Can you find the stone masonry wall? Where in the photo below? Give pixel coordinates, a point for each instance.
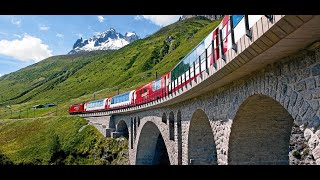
(293, 82)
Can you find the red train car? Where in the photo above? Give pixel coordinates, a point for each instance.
(76, 109)
(153, 90)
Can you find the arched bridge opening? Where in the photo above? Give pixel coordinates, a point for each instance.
(151, 147)
(260, 133)
(122, 129)
(201, 145)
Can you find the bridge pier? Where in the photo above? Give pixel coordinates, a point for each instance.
(104, 124)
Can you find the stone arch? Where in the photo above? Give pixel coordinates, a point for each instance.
(122, 128)
(201, 144)
(164, 118)
(151, 148)
(260, 133)
(171, 126)
(179, 132)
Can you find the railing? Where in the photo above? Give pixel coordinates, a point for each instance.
(233, 35)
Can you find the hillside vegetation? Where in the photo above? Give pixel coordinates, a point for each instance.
(73, 79)
(48, 135)
(58, 140)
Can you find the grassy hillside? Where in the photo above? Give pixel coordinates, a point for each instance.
(74, 79)
(57, 140)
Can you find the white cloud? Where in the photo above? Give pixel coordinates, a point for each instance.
(17, 35)
(59, 35)
(138, 17)
(161, 20)
(16, 22)
(101, 19)
(44, 28)
(3, 33)
(26, 49)
(0, 75)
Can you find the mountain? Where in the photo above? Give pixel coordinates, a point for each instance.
(107, 40)
(74, 78)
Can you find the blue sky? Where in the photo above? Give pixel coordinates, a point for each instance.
(28, 39)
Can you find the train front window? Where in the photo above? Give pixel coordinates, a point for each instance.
(156, 85)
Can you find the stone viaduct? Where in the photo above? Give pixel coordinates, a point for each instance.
(259, 106)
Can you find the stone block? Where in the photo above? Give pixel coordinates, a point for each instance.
(315, 70)
(316, 153)
(317, 81)
(109, 131)
(314, 104)
(313, 142)
(307, 134)
(293, 98)
(304, 108)
(116, 134)
(309, 114)
(299, 101)
(307, 95)
(314, 122)
(300, 86)
(305, 73)
(316, 93)
(311, 83)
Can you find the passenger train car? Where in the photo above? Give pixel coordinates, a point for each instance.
(153, 90)
(97, 105)
(213, 47)
(123, 100)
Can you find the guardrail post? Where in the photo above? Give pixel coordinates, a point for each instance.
(189, 74)
(270, 17)
(207, 67)
(234, 45)
(185, 78)
(248, 30)
(223, 56)
(194, 71)
(213, 55)
(200, 67)
(181, 80)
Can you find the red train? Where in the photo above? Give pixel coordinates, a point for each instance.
(204, 55)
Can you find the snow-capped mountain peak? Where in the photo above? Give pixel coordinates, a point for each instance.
(106, 40)
(130, 34)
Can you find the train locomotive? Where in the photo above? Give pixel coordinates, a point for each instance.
(204, 55)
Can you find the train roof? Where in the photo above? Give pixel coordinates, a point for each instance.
(98, 100)
(122, 93)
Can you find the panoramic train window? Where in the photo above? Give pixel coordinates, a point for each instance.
(236, 19)
(188, 60)
(120, 98)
